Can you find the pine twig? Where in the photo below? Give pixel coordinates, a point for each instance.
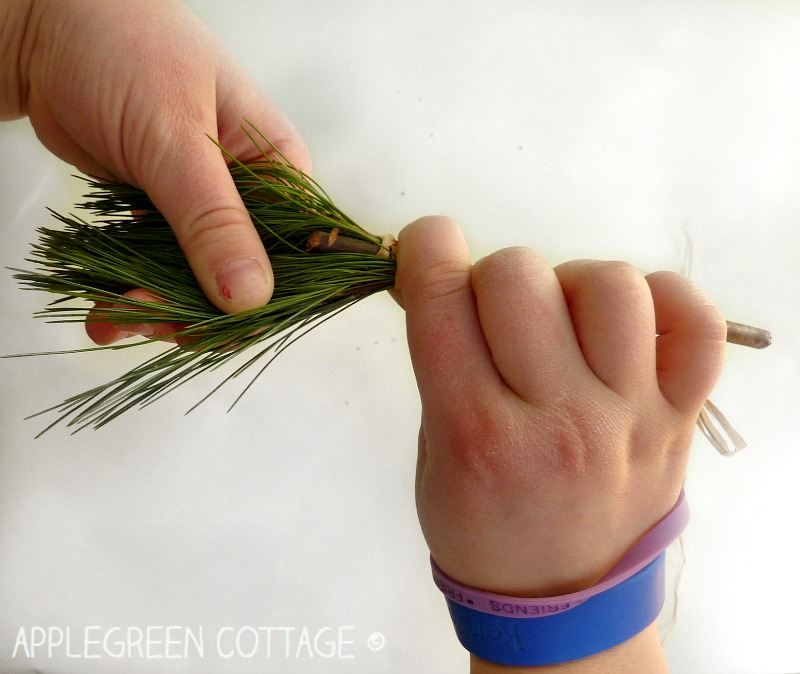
(83, 263)
(323, 262)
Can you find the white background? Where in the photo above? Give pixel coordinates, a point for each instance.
(612, 130)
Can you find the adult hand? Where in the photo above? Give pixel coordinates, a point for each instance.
(128, 90)
(556, 426)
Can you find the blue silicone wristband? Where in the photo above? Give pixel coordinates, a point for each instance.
(597, 624)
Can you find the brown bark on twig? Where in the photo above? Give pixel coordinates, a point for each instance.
(331, 242)
(747, 335)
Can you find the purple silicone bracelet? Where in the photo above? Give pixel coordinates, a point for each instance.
(638, 557)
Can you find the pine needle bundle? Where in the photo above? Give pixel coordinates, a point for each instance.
(129, 245)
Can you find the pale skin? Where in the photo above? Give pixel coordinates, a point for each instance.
(129, 90)
(556, 425)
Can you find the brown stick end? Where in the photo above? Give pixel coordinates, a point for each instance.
(313, 240)
(747, 335)
(333, 242)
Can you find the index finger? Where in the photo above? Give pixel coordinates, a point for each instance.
(452, 362)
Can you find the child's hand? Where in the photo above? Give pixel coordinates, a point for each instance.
(556, 426)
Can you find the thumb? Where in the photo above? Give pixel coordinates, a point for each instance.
(195, 192)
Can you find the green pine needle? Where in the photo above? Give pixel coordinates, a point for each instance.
(100, 261)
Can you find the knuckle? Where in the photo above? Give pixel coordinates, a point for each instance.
(571, 445)
(615, 276)
(497, 448)
(210, 225)
(586, 432)
(617, 284)
(482, 441)
(511, 261)
(511, 270)
(443, 280)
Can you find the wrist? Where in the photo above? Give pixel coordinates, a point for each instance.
(15, 23)
(527, 632)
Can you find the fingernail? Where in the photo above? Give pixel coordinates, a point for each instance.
(139, 330)
(241, 277)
